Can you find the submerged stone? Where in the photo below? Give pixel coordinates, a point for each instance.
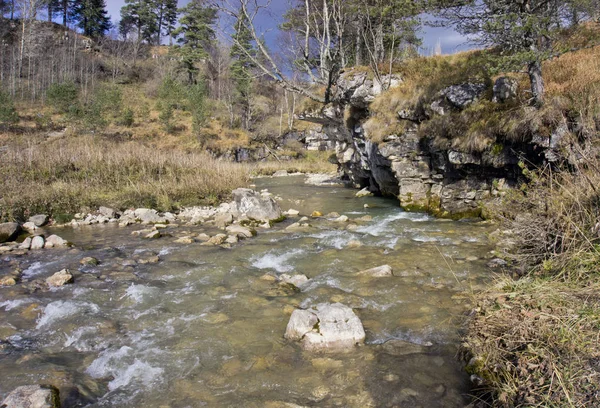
(378, 272)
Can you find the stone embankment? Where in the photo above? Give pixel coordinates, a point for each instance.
(446, 182)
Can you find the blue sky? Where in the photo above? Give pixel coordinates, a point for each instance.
(451, 41)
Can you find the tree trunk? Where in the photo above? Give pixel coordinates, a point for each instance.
(534, 70)
(358, 57)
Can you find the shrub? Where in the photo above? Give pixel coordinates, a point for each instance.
(126, 118)
(61, 97)
(196, 96)
(8, 113)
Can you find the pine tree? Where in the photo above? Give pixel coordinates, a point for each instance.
(65, 8)
(242, 67)
(197, 34)
(523, 32)
(166, 14)
(92, 17)
(139, 16)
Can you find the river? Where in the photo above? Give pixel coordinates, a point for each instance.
(200, 327)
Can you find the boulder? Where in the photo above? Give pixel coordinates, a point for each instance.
(461, 96)
(254, 205)
(39, 220)
(107, 212)
(26, 244)
(378, 272)
(9, 231)
(8, 281)
(55, 241)
(223, 220)
(232, 239)
(33, 396)
(60, 279)
(505, 88)
(326, 327)
(148, 216)
(240, 232)
(37, 242)
(280, 173)
(342, 218)
(296, 280)
(30, 226)
(153, 235)
(218, 239)
(90, 261)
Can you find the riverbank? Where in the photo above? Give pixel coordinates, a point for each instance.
(533, 336)
(73, 174)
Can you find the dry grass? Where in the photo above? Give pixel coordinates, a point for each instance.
(65, 175)
(535, 341)
(314, 162)
(572, 85)
(422, 78)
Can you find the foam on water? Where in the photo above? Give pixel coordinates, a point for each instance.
(124, 368)
(84, 339)
(381, 226)
(335, 239)
(35, 269)
(61, 310)
(138, 292)
(273, 260)
(12, 304)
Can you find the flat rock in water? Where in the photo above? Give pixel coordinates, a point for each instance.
(241, 232)
(326, 327)
(364, 193)
(33, 396)
(378, 272)
(60, 279)
(9, 231)
(296, 280)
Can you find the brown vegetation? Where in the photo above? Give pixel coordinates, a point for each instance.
(533, 341)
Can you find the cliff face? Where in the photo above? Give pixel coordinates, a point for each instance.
(445, 182)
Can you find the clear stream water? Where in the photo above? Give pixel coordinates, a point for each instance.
(201, 328)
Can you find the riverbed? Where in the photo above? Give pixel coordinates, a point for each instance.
(164, 324)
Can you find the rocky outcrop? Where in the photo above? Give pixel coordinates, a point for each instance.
(443, 181)
(326, 327)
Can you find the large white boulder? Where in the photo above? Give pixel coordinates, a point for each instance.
(326, 327)
(253, 205)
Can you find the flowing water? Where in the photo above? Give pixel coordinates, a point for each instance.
(201, 328)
